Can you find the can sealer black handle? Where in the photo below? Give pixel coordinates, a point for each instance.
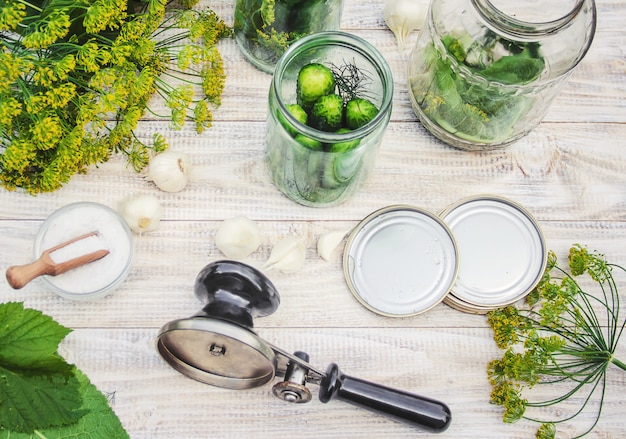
(427, 413)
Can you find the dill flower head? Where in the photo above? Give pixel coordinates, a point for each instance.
(565, 337)
(76, 77)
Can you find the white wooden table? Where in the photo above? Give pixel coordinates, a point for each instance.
(570, 173)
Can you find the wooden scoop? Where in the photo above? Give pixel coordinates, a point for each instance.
(20, 275)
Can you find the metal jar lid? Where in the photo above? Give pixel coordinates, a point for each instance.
(400, 261)
(502, 253)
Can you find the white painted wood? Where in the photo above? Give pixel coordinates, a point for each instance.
(570, 173)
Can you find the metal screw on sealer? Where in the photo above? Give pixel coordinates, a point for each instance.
(218, 346)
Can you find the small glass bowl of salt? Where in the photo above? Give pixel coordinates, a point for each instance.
(98, 278)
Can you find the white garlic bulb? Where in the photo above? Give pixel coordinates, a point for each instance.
(404, 16)
(169, 170)
(238, 237)
(328, 242)
(142, 213)
(287, 255)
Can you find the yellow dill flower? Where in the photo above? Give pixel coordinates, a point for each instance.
(90, 57)
(267, 12)
(213, 28)
(9, 109)
(213, 79)
(202, 116)
(17, 156)
(189, 20)
(142, 51)
(46, 132)
(120, 52)
(477, 111)
(159, 143)
(188, 55)
(156, 7)
(11, 15)
(55, 26)
(132, 30)
(44, 76)
(103, 79)
(104, 14)
(64, 67)
(144, 84)
(36, 103)
(58, 97)
(180, 97)
(278, 41)
(10, 68)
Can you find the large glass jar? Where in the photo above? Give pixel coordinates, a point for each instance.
(483, 73)
(265, 28)
(310, 161)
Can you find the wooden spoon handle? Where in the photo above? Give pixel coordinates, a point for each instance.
(20, 275)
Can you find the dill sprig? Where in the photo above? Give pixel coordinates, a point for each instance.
(77, 76)
(352, 81)
(565, 335)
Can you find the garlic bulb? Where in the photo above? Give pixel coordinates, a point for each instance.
(328, 242)
(404, 16)
(288, 255)
(169, 171)
(142, 213)
(238, 237)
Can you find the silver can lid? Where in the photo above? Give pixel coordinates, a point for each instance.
(400, 261)
(502, 252)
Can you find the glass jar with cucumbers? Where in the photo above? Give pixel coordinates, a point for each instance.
(329, 106)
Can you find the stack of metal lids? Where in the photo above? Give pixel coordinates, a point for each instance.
(479, 254)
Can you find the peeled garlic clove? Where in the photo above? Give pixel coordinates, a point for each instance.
(142, 213)
(328, 243)
(238, 237)
(169, 171)
(288, 255)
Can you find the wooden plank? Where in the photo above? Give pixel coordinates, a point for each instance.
(559, 171)
(153, 401)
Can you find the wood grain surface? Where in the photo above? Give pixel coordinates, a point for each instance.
(570, 173)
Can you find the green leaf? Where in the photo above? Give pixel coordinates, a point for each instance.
(37, 386)
(29, 402)
(514, 69)
(100, 422)
(28, 338)
(41, 395)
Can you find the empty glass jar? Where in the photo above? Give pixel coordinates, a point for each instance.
(483, 73)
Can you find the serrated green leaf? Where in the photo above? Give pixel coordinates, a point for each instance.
(29, 402)
(100, 422)
(28, 338)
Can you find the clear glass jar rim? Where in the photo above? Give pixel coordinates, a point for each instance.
(525, 28)
(329, 38)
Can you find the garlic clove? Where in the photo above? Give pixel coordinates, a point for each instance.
(287, 255)
(404, 16)
(328, 242)
(142, 213)
(169, 171)
(238, 237)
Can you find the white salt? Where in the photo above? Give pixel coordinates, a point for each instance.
(79, 219)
